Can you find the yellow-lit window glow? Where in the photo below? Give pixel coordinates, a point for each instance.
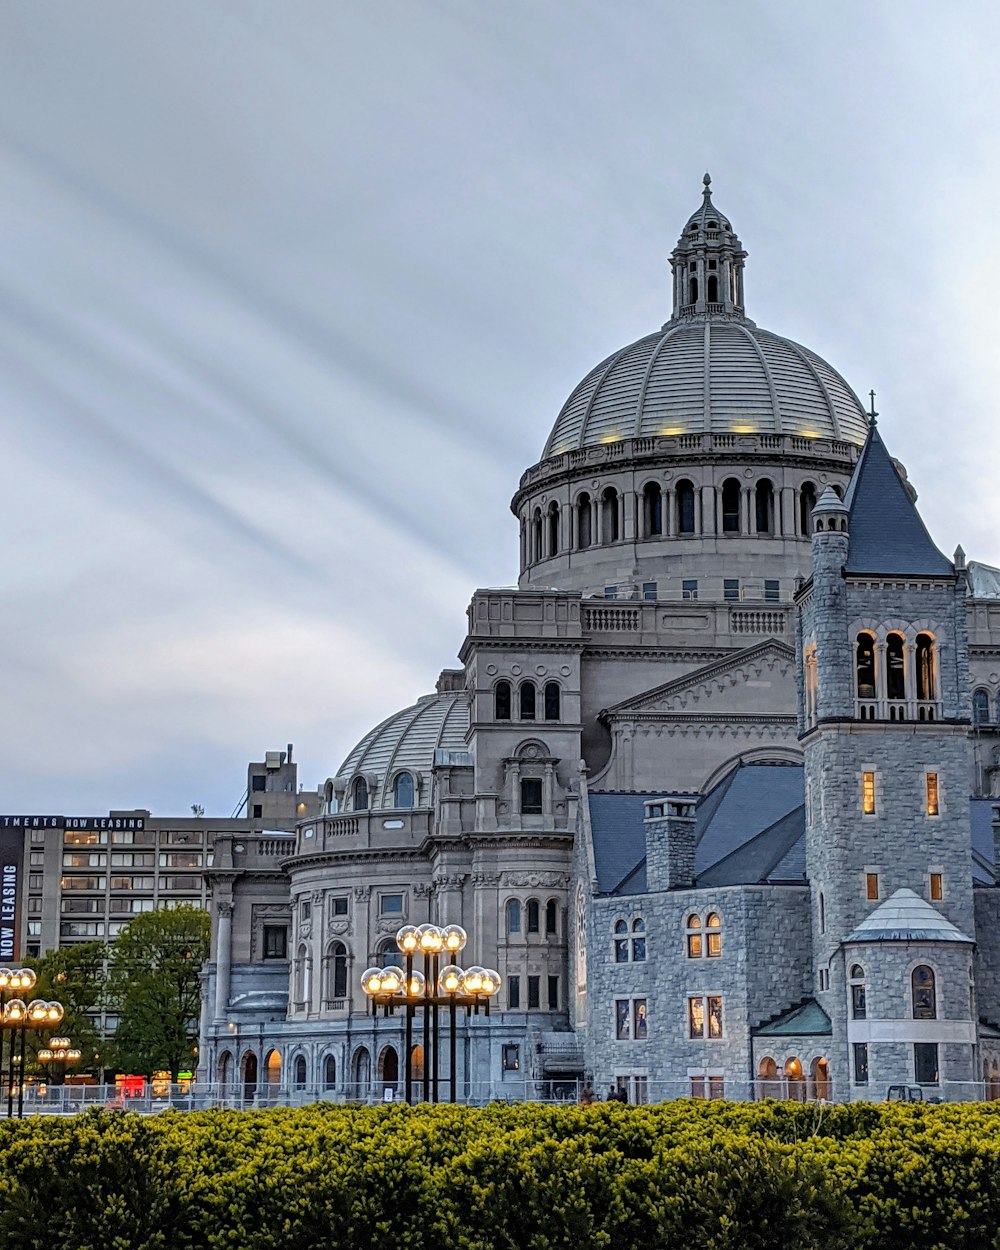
(868, 793)
(932, 794)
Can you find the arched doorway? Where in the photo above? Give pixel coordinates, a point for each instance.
(819, 1071)
(225, 1067)
(329, 1072)
(272, 1068)
(361, 1071)
(768, 1083)
(248, 1067)
(795, 1084)
(300, 1072)
(388, 1068)
(417, 1069)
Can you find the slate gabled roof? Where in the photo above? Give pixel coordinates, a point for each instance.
(887, 535)
(750, 830)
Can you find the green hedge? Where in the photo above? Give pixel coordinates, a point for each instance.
(685, 1174)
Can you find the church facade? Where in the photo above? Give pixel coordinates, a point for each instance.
(710, 789)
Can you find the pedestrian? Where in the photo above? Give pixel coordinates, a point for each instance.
(587, 1095)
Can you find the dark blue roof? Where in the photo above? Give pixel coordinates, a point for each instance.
(886, 532)
(750, 830)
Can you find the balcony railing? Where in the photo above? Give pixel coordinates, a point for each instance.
(898, 709)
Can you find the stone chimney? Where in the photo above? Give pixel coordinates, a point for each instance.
(669, 826)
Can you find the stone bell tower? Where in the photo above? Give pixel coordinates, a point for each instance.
(883, 726)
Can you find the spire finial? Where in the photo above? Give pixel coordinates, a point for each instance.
(872, 414)
(707, 180)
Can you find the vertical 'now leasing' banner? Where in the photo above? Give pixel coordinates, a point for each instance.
(11, 861)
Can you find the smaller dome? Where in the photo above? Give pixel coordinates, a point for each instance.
(407, 742)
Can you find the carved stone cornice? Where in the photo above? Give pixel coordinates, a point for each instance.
(536, 880)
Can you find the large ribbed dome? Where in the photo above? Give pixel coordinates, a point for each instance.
(407, 741)
(710, 370)
(709, 375)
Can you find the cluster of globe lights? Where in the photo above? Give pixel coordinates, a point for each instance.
(430, 940)
(37, 1014)
(59, 1050)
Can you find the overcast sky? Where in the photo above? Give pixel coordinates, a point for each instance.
(291, 293)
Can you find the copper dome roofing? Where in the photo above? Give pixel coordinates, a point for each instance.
(709, 375)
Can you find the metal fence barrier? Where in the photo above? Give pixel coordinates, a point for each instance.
(197, 1096)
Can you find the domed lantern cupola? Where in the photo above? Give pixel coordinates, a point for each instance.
(707, 265)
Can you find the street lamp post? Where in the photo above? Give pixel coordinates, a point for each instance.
(13, 981)
(19, 1017)
(428, 991)
(60, 1053)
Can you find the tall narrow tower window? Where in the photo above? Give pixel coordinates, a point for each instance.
(609, 516)
(693, 291)
(807, 501)
(764, 507)
(924, 994)
(527, 698)
(652, 503)
(552, 524)
(925, 666)
(932, 794)
(865, 666)
(583, 536)
(868, 794)
(731, 506)
(713, 289)
(685, 507)
(501, 700)
(895, 672)
(981, 707)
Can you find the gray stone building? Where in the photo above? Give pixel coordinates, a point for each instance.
(711, 787)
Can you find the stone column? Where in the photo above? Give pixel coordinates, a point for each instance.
(548, 786)
(223, 959)
(708, 509)
(788, 517)
(746, 527)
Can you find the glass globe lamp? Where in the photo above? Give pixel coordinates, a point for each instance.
(450, 980)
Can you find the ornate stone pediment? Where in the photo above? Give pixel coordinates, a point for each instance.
(757, 682)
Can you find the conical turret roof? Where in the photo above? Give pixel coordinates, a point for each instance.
(906, 917)
(887, 534)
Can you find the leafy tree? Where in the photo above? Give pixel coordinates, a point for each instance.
(154, 986)
(74, 976)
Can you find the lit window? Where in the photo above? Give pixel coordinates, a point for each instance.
(705, 1013)
(937, 887)
(932, 794)
(871, 885)
(694, 938)
(713, 935)
(868, 794)
(511, 1058)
